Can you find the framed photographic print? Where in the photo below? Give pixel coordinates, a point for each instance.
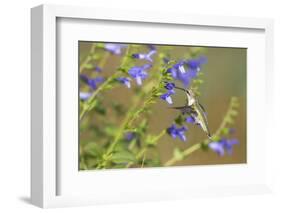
(130, 106)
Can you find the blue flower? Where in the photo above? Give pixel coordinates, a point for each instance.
(91, 82)
(195, 64)
(84, 96)
(115, 49)
(167, 96)
(125, 81)
(223, 145)
(144, 56)
(190, 119)
(180, 66)
(169, 85)
(130, 136)
(175, 132)
(185, 71)
(166, 60)
(97, 69)
(139, 73)
(185, 77)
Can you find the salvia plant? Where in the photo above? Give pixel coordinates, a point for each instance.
(118, 135)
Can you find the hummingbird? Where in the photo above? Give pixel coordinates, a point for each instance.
(195, 110)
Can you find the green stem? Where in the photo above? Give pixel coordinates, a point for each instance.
(88, 58)
(160, 135)
(123, 126)
(143, 150)
(143, 159)
(91, 102)
(197, 146)
(129, 119)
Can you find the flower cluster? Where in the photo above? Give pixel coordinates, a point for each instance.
(175, 132)
(223, 145)
(170, 91)
(114, 48)
(139, 73)
(124, 80)
(144, 56)
(91, 82)
(186, 70)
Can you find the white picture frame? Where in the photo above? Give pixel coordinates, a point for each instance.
(46, 162)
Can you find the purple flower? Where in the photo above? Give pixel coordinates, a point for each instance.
(139, 73)
(167, 96)
(190, 119)
(195, 64)
(166, 60)
(144, 56)
(228, 144)
(223, 145)
(115, 49)
(169, 85)
(125, 81)
(97, 69)
(130, 136)
(217, 147)
(91, 82)
(184, 77)
(185, 71)
(84, 96)
(175, 132)
(180, 66)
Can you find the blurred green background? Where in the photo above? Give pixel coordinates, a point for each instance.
(224, 77)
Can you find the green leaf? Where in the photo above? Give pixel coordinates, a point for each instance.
(225, 131)
(229, 120)
(88, 66)
(99, 108)
(110, 130)
(233, 112)
(204, 146)
(150, 140)
(215, 138)
(179, 120)
(123, 157)
(93, 149)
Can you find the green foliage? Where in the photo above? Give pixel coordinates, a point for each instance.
(123, 157)
(179, 119)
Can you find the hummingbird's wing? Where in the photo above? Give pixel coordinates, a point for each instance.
(202, 107)
(184, 109)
